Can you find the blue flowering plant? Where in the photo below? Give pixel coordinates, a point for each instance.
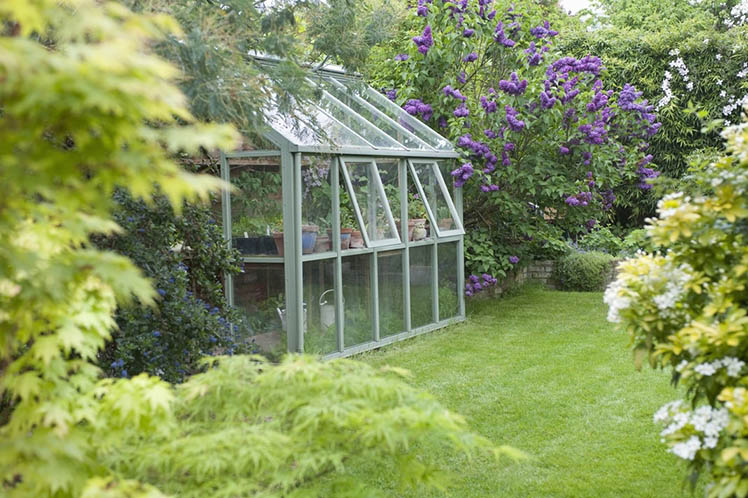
(545, 144)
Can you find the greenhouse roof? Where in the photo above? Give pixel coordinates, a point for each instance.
(350, 117)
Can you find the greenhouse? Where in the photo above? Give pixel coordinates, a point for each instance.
(349, 227)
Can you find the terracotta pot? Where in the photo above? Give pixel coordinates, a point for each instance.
(278, 238)
(322, 244)
(445, 223)
(357, 240)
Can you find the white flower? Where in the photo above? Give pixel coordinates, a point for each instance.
(706, 40)
(705, 369)
(689, 86)
(719, 82)
(688, 449)
(681, 366)
(674, 52)
(718, 57)
(710, 442)
(733, 366)
(665, 412)
(615, 300)
(723, 94)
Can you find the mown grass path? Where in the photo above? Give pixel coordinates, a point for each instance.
(545, 372)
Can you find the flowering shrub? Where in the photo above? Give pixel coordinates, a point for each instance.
(544, 143)
(687, 307)
(702, 64)
(185, 257)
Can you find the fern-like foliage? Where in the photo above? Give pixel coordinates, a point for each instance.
(249, 428)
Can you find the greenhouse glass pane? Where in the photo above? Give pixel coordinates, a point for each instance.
(309, 125)
(437, 198)
(391, 316)
(448, 297)
(258, 295)
(359, 125)
(357, 300)
(256, 204)
(382, 103)
(373, 209)
(351, 234)
(421, 291)
(320, 333)
(316, 203)
(373, 115)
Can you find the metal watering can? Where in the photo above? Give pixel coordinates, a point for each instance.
(327, 311)
(282, 316)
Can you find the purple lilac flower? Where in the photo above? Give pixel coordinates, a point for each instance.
(505, 158)
(424, 41)
(595, 134)
(535, 56)
(564, 151)
(608, 199)
(472, 56)
(452, 92)
(467, 32)
(490, 133)
(543, 31)
(462, 77)
(511, 118)
(442, 122)
(627, 102)
(509, 147)
(488, 105)
(402, 57)
(501, 37)
(422, 10)
(547, 100)
(415, 107)
(513, 86)
(563, 67)
(476, 284)
(513, 260)
(646, 173)
(462, 174)
(461, 111)
(391, 94)
(580, 199)
(591, 223)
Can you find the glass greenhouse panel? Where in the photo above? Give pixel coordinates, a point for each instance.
(258, 294)
(370, 201)
(383, 104)
(351, 233)
(316, 203)
(256, 205)
(356, 123)
(378, 118)
(391, 311)
(357, 300)
(438, 201)
(309, 125)
(421, 289)
(448, 286)
(320, 332)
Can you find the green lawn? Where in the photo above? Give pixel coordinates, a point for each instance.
(545, 372)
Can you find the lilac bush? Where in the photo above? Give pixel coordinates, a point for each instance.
(545, 145)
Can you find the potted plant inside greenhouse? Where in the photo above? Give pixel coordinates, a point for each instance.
(416, 219)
